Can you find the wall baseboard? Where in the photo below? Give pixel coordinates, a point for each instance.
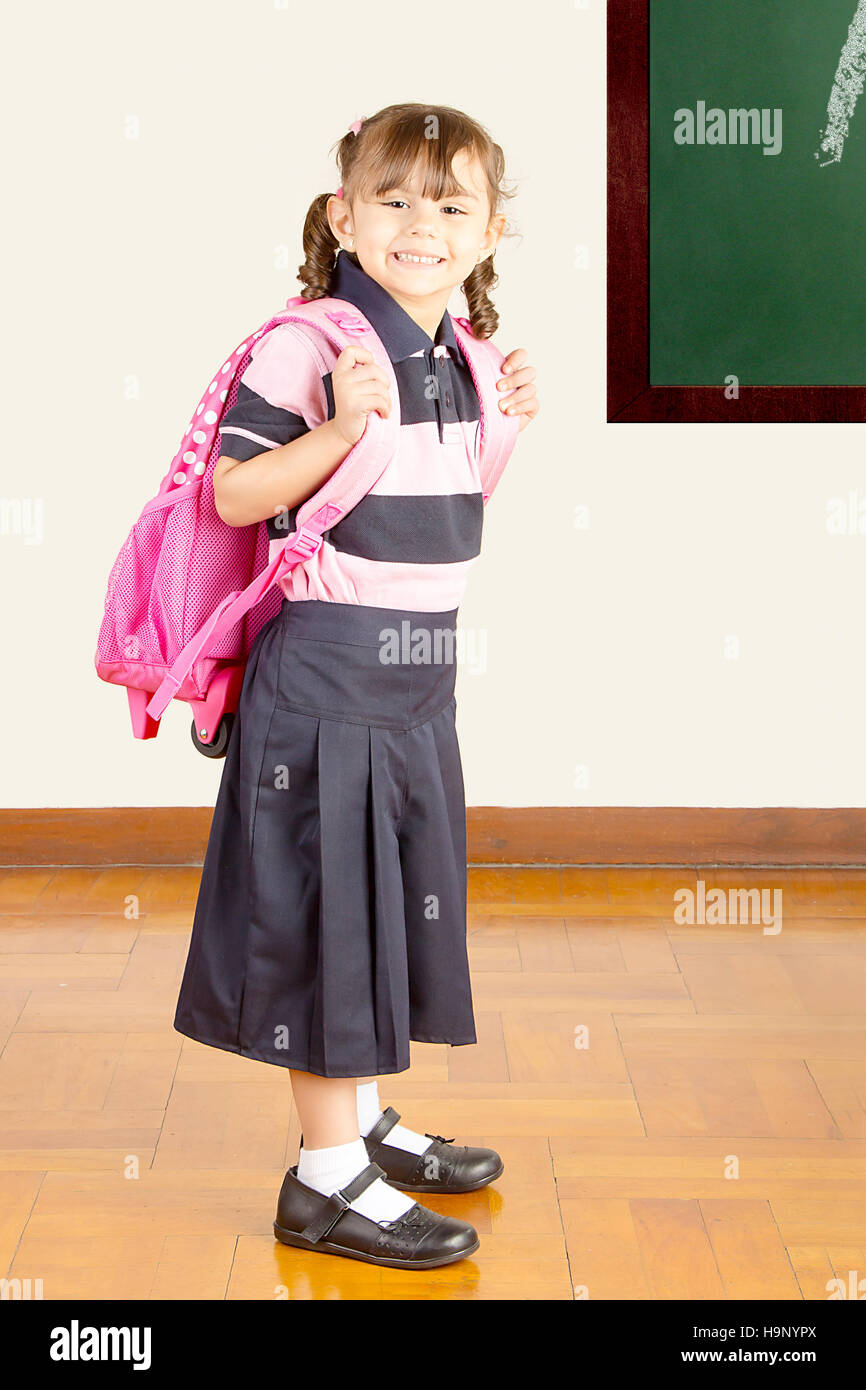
(497, 835)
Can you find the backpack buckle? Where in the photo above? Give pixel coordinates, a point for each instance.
(350, 323)
(303, 543)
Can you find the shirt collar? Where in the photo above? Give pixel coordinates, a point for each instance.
(400, 334)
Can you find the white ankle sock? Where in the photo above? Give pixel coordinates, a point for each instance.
(326, 1170)
(368, 1113)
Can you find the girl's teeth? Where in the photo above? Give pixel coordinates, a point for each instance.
(417, 260)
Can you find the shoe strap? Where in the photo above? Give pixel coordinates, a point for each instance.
(338, 1202)
(383, 1126)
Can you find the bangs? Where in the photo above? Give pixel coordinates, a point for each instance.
(406, 153)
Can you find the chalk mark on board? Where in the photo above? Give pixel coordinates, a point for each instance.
(847, 86)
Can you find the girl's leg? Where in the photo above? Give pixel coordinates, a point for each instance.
(333, 1151)
(326, 1108)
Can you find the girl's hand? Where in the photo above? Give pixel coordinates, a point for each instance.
(359, 386)
(518, 380)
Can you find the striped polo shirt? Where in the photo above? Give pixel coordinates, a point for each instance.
(411, 542)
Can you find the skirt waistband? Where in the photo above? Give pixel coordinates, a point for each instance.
(363, 625)
(391, 667)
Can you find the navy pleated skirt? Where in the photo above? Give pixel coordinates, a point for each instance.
(330, 926)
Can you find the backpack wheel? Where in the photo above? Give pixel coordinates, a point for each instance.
(217, 748)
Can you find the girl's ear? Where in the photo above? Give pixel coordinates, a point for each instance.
(339, 217)
(496, 226)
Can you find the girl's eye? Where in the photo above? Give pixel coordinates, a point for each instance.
(392, 202)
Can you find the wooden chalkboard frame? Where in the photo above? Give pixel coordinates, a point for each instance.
(630, 397)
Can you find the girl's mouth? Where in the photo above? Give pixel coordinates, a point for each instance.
(409, 258)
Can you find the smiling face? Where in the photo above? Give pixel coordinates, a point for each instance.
(420, 249)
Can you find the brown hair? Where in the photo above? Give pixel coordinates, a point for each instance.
(383, 155)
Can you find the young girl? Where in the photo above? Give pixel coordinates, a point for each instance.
(330, 927)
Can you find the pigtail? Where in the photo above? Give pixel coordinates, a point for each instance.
(319, 243)
(482, 311)
(320, 251)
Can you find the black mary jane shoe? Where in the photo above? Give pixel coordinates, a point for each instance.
(443, 1167)
(420, 1239)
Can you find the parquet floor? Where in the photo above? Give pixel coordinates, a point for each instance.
(681, 1109)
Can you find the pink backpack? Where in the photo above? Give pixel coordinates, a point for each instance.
(188, 594)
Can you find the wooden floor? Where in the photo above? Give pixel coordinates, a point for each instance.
(708, 1141)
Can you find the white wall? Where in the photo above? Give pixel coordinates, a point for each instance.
(148, 258)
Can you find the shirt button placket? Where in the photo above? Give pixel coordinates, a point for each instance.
(437, 394)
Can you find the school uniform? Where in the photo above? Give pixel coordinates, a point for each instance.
(330, 926)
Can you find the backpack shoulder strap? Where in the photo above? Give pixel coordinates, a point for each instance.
(498, 430)
(341, 324)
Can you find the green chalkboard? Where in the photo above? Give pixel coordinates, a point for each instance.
(757, 259)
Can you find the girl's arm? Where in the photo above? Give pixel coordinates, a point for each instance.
(268, 483)
(261, 487)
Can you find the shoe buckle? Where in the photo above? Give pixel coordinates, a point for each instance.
(337, 1203)
(331, 1214)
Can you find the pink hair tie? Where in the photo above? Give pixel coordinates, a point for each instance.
(354, 129)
